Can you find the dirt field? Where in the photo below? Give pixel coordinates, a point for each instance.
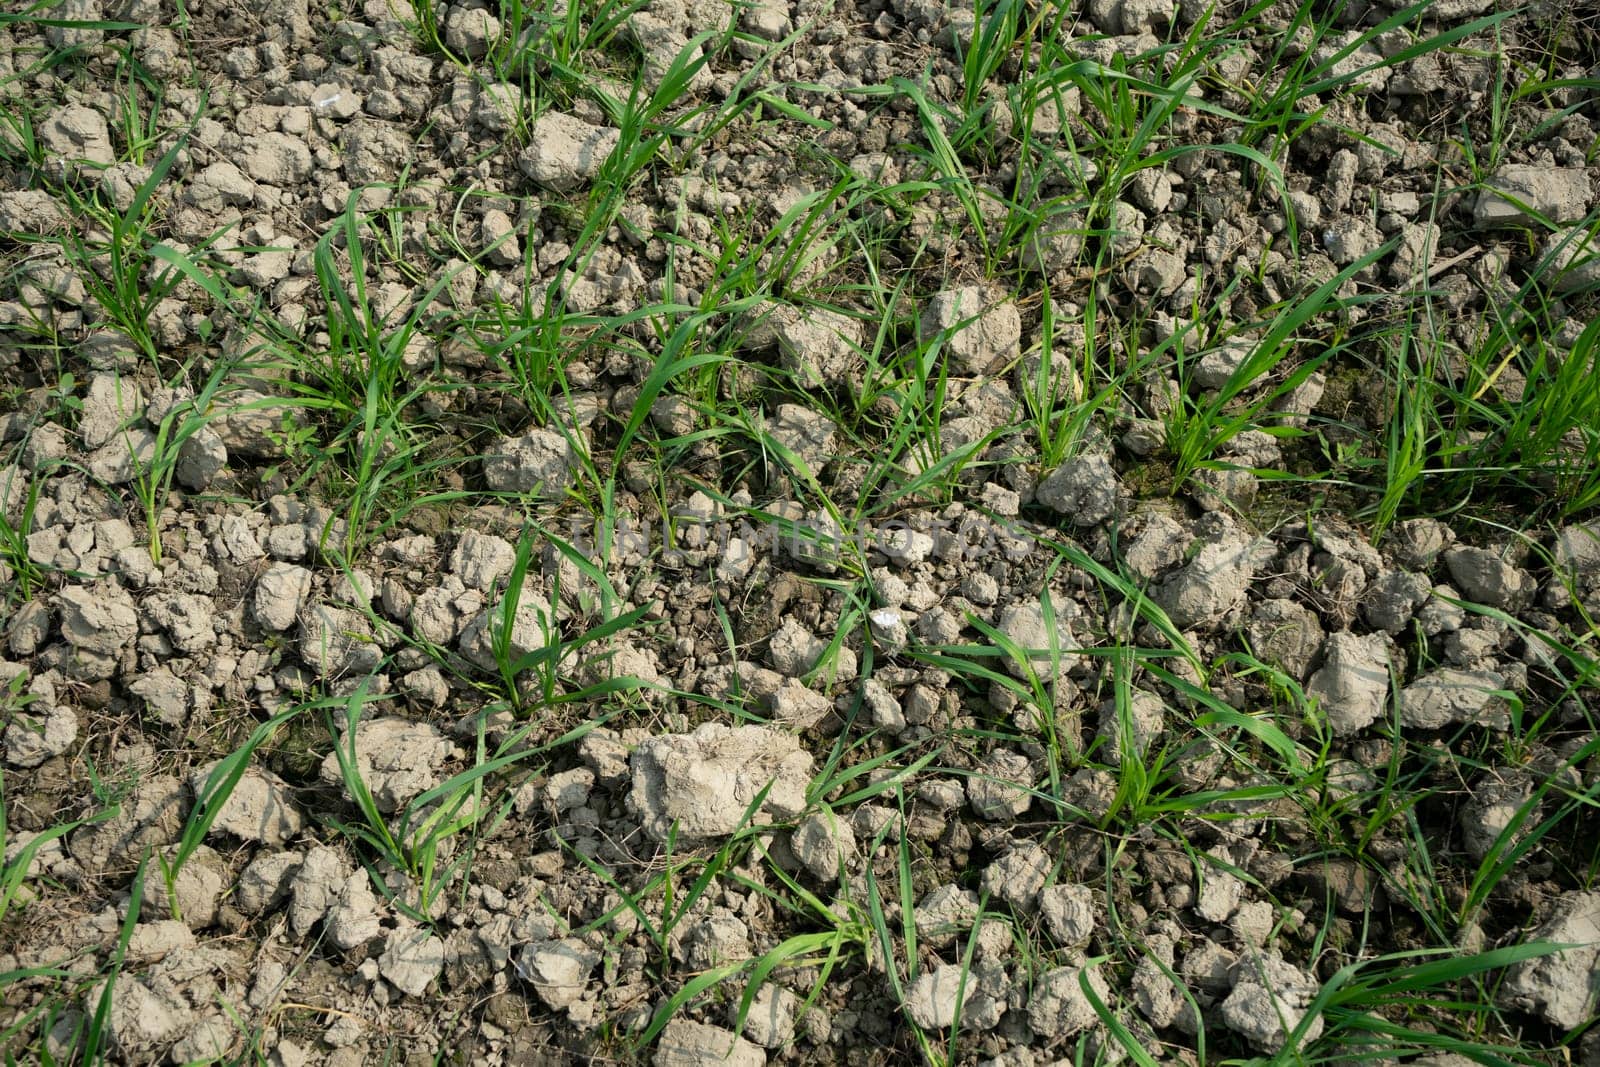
(846, 533)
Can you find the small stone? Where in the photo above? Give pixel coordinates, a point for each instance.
(278, 159)
(186, 618)
(1419, 242)
(1142, 16)
(1559, 194)
(1209, 967)
(29, 627)
(356, 917)
(998, 789)
(825, 844)
(889, 632)
(1416, 543)
(1350, 237)
(266, 882)
(219, 186)
(1059, 1008)
(395, 758)
(819, 347)
(101, 620)
(1018, 876)
(938, 998)
(1354, 889)
(77, 134)
(564, 151)
(1154, 994)
(1577, 551)
(1268, 1001)
(1083, 489)
(141, 1019)
(32, 739)
(208, 1042)
(482, 559)
(1068, 912)
(673, 415)
(532, 624)
(1252, 923)
(336, 101)
(411, 960)
(1574, 259)
(1487, 578)
(469, 32)
(569, 789)
(109, 404)
(981, 332)
(1285, 634)
(703, 781)
(804, 433)
(318, 883)
(944, 915)
(793, 651)
(883, 711)
(1217, 366)
(1352, 687)
(280, 594)
(258, 807)
(498, 107)
(770, 1019)
(1146, 714)
(497, 236)
(1160, 544)
(722, 937)
(338, 642)
(1563, 987)
(1491, 808)
(540, 461)
(1040, 638)
(201, 458)
(1447, 696)
(768, 20)
(905, 547)
(1220, 894)
(690, 1044)
(1393, 598)
(150, 817)
(1438, 615)
(195, 890)
(1215, 581)
(558, 970)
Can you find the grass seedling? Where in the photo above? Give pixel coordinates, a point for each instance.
(117, 271)
(26, 575)
(995, 32)
(1131, 1047)
(1275, 117)
(1198, 429)
(38, 14)
(1362, 997)
(213, 796)
(93, 1039)
(677, 902)
(15, 870)
(153, 476)
(532, 676)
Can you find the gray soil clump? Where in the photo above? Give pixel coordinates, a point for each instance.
(703, 782)
(1563, 987)
(1352, 687)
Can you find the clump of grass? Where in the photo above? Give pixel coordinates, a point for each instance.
(25, 574)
